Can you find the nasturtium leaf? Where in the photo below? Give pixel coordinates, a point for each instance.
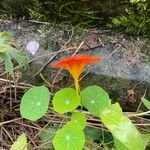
(95, 99)
(119, 145)
(79, 118)
(66, 100)
(146, 102)
(94, 134)
(70, 137)
(46, 138)
(121, 127)
(20, 143)
(146, 138)
(34, 103)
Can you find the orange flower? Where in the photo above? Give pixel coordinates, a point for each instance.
(75, 66)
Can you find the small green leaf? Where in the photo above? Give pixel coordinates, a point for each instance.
(5, 37)
(3, 47)
(65, 100)
(20, 143)
(146, 102)
(79, 118)
(19, 56)
(70, 137)
(46, 138)
(7, 53)
(8, 64)
(34, 103)
(121, 127)
(95, 99)
(93, 133)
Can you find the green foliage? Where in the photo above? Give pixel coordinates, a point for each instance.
(79, 119)
(84, 12)
(96, 135)
(64, 11)
(95, 99)
(4, 42)
(146, 102)
(8, 64)
(122, 128)
(8, 53)
(66, 100)
(20, 143)
(93, 133)
(119, 145)
(46, 137)
(15, 8)
(146, 138)
(36, 11)
(70, 137)
(34, 103)
(137, 18)
(78, 12)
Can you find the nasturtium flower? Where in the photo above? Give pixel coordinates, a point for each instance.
(75, 66)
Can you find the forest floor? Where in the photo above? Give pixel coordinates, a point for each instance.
(57, 42)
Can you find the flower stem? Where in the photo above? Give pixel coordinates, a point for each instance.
(76, 81)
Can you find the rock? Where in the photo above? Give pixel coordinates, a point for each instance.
(125, 64)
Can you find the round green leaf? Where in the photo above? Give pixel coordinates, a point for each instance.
(70, 137)
(95, 99)
(34, 103)
(79, 118)
(65, 100)
(46, 137)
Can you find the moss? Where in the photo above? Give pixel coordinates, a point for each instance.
(135, 21)
(76, 11)
(85, 12)
(16, 8)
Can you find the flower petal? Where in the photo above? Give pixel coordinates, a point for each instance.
(32, 47)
